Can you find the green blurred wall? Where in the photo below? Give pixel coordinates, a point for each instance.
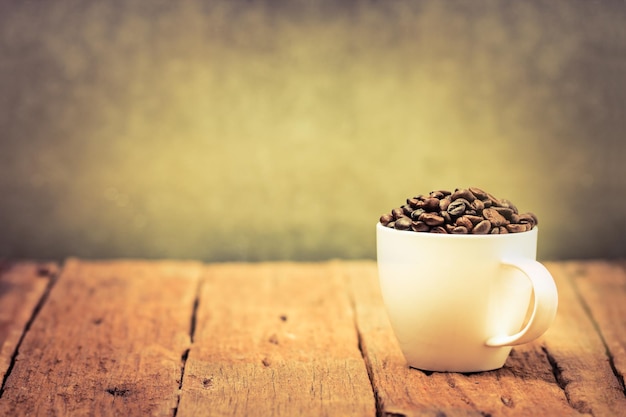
(247, 131)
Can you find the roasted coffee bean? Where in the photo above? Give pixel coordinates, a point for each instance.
(457, 207)
(516, 228)
(416, 213)
(412, 202)
(431, 204)
(494, 217)
(475, 219)
(420, 227)
(466, 210)
(505, 212)
(506, 203)
(478, 193)
(444, 203)
(431, 219)
(385, 219)
(528, 218)
(478, 205)
(397, 213)
(464, 221)
(463, 193)
(482, 228)
(403, 223)
(459, 230)
(492, 201)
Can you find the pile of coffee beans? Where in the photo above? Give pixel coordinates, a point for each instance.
(463, 211)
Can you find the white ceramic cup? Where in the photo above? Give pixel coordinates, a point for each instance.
(458, 303)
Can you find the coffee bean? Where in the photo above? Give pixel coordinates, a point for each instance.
(464, 221)
(444, 203)
(516, 228)
(466, 210)
(482, 228)
(416, 213)
(478, 193)
(505, 212)
(412, 202)
(478, 205)
(457, 207)
(403, 223)
(494, 217)
(431, 204)
(463, 193)
(420, 227)
(385, 219)
(397, 213)
(459, 230)
(431, 219)
(474, 219)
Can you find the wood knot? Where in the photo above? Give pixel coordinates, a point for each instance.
(508, 401)
(207, 382)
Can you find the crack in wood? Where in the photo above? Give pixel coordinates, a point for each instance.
(378, 402)
(44, 297)
(185, 355)
(596, 326)
(118, 392)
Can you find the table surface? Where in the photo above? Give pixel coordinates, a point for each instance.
(178, 338)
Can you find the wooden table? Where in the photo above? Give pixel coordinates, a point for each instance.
(164, 338)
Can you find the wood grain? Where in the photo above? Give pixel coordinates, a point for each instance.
(581, 360)
(526, 385)
(22, 286)
(108, 342)
(275, 339)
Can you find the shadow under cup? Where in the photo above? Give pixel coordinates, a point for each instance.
(458, 303)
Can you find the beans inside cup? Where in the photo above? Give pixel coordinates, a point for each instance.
(462, 211)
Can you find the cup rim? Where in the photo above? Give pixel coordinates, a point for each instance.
(380, 226)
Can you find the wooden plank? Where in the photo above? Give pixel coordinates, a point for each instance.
(275, 339)
(109, 341)
(22, 285)
(526, 384)
(577, 351)
(602, 287)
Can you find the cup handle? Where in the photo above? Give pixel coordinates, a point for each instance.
(544, 309)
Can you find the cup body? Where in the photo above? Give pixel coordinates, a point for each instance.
(446, 295)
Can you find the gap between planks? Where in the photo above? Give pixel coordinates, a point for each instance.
(51, 272)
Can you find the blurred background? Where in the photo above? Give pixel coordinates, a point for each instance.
(264, 130)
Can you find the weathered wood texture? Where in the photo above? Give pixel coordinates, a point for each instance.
(275, 339)
(592, 310)
(22, 286)
(183, 339)
(565, 372)
(109, 341)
